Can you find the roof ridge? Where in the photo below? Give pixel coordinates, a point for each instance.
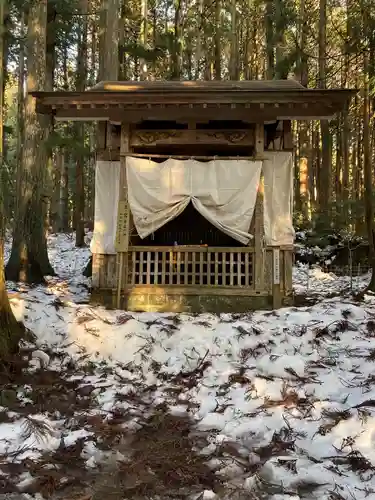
(129, 85)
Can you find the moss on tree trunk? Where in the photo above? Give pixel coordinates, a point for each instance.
(29, 258)
(28, 261)
(11, 331)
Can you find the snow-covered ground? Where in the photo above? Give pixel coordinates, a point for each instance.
(281, 403)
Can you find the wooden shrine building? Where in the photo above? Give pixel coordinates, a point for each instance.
(194, 189)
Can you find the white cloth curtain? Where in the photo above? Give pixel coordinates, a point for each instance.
(278, 198)
(223, 191)
(107, 181)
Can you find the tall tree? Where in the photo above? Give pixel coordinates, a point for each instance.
(62, 166)
(144, 38)
(217, 64)
(302, 168)
(11, 330)
(325, 167)
(270, 42)
(49, 120)
(80, 130)
(233, 61)
(2, 82)
(176, 44)
(20, 106)
(369, 202)
(109, 40)
(29, 259)
(280, 24)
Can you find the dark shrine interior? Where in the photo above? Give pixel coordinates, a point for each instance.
(189, 228)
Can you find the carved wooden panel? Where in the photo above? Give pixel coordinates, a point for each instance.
(183, 137)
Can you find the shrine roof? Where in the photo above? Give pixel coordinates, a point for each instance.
(253, 101)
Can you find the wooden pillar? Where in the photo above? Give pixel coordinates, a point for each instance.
(99, 260)
(288, 135)
(259, 226)
(101, 138)
(288, 272)
(123, 217)
(287, 257)
(95, 274)
(108, 70)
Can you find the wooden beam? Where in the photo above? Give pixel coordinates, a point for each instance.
(203, 290)
(310, 96)
(133, 114)
(108, 155)
(114, 155)
(195, 157)
(239, 137)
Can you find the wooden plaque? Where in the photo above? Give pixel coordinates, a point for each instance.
(122, 232)
(276, 266)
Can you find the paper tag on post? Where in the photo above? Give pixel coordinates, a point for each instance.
(123, 224)
(276, 266)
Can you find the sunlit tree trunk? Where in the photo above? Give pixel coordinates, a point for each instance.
(233, 61)
(11, 330)
(316, 158)
(63, 166)
(217, 64)
(29, 259)
(2, 86)
(176, 47)
(207, 52)
(303, 168)
(144, 31)
(338, 169)
(280, 22)
(270, 44)
(55, 201)
(79, 204)
(368, 194)
(154, 38)
(48, 120)
(92, 74)
(325, 166)
(249, 47)
(345, 134)
(20, 108)
(4, 31)
(198, 53)
(109, 40)
(357, 155)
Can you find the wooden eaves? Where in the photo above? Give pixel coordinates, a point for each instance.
(249, 101)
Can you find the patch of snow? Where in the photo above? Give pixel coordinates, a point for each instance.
(42, 357)
(301, 377)
(312, 280)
